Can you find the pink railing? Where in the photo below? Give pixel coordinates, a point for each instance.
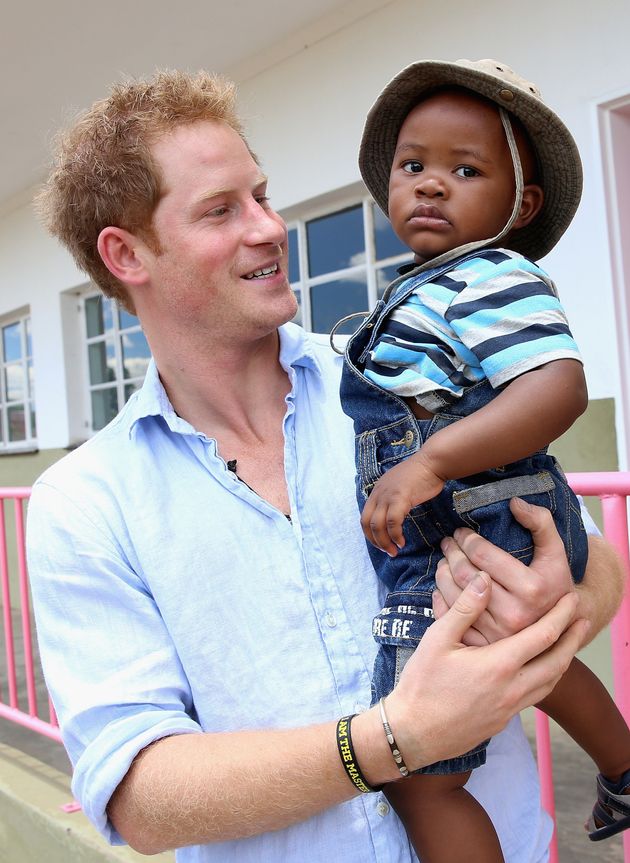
(612, 488)
(12, 550)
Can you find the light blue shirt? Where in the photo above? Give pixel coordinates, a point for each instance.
(171, 599)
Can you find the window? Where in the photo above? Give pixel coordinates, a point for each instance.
(341, 262)
(17, 391)
(117, 357)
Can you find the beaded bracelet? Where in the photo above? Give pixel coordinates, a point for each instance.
(346, 753)
(400, 761)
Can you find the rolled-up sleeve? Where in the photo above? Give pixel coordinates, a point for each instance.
(121, 686)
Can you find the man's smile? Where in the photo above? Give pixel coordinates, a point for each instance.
(262, 272)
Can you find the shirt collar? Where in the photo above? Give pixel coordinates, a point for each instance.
(296, 349)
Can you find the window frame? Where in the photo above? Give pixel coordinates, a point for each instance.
(298, 219)
(116, 334)
(29, 442)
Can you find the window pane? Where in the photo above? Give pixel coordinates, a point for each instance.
(126, 319)
(335, 241)
(16, 422)
(131, 388)
(102, 362)
(386, 242)
(98, 316)
(31, 379)
(11, 343)
(94, 317)
(29, 344)
(136, 354)
(298, 318)
(33, 424)
(104, 407)
(332, 301)
(384, 277)
(14, 382)
(294, 261)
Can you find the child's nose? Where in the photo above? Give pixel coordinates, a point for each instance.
(431, 186)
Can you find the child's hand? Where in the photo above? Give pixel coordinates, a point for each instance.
(396, 492)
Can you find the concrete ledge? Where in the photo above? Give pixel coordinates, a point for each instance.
(34, 828)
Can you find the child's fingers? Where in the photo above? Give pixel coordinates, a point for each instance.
(382, 532)
(374, 524)
(394, 519)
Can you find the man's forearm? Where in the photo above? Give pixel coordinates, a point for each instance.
(192, 789)
(199, 788)
(602, 589)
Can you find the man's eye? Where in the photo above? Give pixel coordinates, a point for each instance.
(263, 200)
(217, 211)
(413, 167)
(466, 171)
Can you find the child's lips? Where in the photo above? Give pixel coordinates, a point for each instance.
(426, 215)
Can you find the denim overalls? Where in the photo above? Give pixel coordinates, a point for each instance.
(386, 432)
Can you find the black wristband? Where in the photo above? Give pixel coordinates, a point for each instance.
(346, 753)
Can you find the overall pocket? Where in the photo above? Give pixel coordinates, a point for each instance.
(484, 508)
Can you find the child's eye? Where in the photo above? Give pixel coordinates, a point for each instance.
(466, 171)
(413, 166)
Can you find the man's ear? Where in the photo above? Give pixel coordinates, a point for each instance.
(121, 252)
(531, 205)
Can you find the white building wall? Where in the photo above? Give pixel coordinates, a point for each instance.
(34, 270)
(304, 115)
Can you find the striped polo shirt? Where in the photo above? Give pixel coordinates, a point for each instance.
(493, 316)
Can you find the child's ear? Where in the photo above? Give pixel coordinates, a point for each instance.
(531, 204)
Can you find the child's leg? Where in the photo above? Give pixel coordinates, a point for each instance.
(445, 823)
(582, 706)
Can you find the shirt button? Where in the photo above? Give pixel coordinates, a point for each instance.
(359, 707)
(382, 809)
(330, 619)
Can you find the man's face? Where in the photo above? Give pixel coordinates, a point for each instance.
(221, 264)
(452, 178)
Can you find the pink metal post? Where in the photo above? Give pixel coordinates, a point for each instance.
(614, 488)
(27, 637)
(12, 710)
(616, 529)
(545, 774)
(6, 611)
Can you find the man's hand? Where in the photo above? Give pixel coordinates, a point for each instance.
(450, 697)
(520, 593)
(409, 484)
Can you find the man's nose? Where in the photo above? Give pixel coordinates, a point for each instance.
(265, 226)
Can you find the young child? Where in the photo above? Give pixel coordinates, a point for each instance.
(467, 369)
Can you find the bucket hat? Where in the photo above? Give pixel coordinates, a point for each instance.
(559, 164)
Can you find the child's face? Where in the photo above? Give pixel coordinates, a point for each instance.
(452, 178)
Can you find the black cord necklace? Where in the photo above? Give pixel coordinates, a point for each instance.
(231, 466)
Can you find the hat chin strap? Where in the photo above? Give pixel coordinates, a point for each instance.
(518, 200)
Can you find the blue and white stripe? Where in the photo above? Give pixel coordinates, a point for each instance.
(494, 316)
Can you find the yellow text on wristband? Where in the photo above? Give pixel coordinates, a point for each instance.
(346, 753)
